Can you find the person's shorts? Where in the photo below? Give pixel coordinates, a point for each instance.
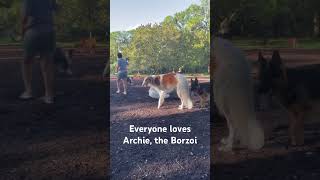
(39, 41)
(122, 75)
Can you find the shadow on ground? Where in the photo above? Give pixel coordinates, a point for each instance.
(67, 140)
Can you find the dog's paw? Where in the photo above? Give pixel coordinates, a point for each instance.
(225, 148)
(224, 141)
(180, 107)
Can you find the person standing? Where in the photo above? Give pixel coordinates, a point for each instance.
(39, 39)
(122, 70)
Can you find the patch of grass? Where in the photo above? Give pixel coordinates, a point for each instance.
(73, 44)
(258, 43)
(6, 40)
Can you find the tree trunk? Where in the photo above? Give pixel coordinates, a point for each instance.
(316, 24)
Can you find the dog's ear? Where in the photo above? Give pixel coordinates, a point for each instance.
(276, 59)
(277, 67)
(157, 80)
(260, 57)
(196, 80)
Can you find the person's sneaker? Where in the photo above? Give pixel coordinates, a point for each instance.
(118, 91)
(26, 95)
(125, 93)
(47, 99)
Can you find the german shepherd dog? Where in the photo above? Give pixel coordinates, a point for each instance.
(295, 89)
(63, 60)
(201, 91)
(234, 96)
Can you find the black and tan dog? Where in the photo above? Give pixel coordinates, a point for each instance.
(63, 60)
(296, 89)
(201, 90)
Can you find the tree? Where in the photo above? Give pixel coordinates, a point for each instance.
(178, 41)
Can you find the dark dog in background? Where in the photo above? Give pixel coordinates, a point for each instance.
(129, 80)
(63, 60)
(262, 88)
(296, 89)
(201, 91)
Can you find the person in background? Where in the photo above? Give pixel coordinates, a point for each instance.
(122, 70)
(39, 39)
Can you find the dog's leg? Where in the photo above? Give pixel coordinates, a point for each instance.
(300, 128)
(296, 126)
(161, 98)
(228, 142)
(202, 102)
(181, 99)
(182, 104)
(227, 139)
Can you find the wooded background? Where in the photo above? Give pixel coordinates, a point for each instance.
(179, 41)
(267, 18)
(75, 19)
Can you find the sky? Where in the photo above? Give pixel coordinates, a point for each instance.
(129, 14)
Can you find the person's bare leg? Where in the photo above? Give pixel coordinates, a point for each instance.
(47, 69)
(27, 78)
(125, 85)
(118, 85)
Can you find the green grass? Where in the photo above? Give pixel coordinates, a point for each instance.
(5, 40)
(255, 43)
(8, 41)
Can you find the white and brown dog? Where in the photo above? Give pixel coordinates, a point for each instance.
(166, 83)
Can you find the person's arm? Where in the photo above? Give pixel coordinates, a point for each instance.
(117, 67)
(24, 25)
(25, 14)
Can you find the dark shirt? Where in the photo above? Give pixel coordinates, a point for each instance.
(39, 13)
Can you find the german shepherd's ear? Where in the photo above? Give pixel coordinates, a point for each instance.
(276, 59)
(157, 80)
(261, 59)
(196, 80)
(276, 65)
(262, 62)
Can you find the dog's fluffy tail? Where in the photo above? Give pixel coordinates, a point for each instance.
(183, 90)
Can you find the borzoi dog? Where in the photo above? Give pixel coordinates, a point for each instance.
(234, 97)
(166, 83)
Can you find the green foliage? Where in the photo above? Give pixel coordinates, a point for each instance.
(80, 18)
(181, 40)
(268, 18)
(75, 19)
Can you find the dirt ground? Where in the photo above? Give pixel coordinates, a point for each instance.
(276, 160)
(157, 161)
(67, 140)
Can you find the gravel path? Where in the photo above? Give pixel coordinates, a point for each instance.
(157, 161)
